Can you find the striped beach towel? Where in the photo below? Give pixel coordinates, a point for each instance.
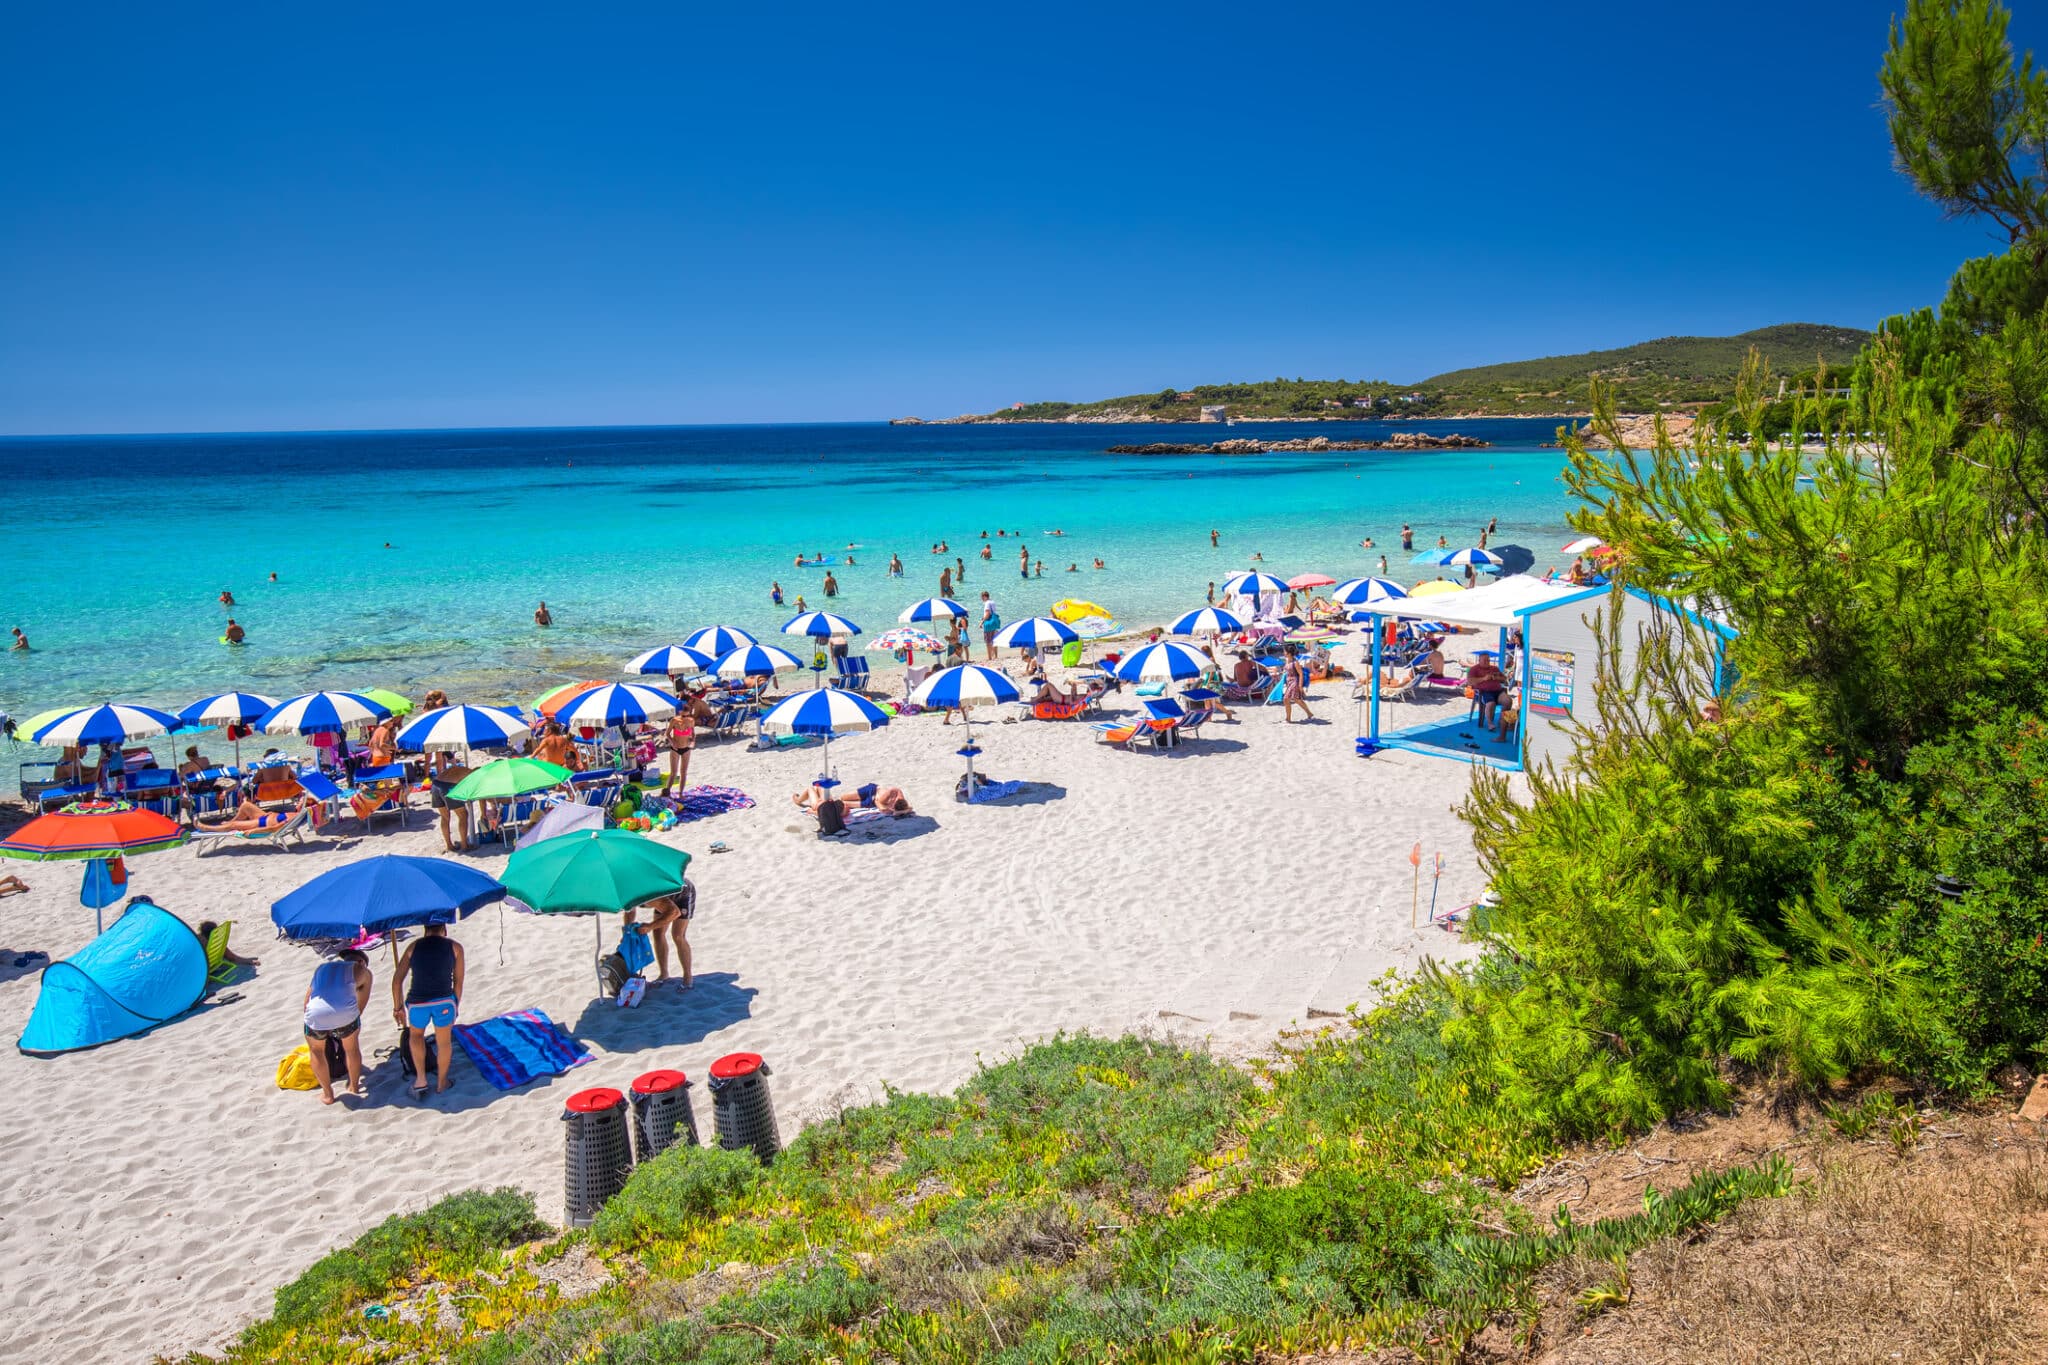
(518, 1047)
(695, 803)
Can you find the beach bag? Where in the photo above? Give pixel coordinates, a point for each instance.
(634, 949)
(295, 1072)
(831, 817)
(612, 975)
(405, 1054)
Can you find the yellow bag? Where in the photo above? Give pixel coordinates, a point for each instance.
(295, 1072)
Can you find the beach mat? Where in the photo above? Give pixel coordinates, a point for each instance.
(695, 803)
(518, 1047)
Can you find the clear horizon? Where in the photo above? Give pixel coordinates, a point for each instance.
(247, 220)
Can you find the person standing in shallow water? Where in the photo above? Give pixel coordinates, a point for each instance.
(831, 584)
(542, 617)
(1407, 537)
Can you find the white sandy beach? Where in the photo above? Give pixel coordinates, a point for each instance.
(161, 1187)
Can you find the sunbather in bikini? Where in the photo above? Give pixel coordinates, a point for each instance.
(250, 816)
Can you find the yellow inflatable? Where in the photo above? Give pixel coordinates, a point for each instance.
(1073, 609)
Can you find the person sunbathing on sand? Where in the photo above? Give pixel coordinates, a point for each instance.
(11, 885)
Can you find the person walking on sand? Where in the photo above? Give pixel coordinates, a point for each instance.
(426, 992)
(991, 622)
(1294, 692)
(334, 1007)
(1407, 537)
(446, 774)
(682, 741)
(542, 617)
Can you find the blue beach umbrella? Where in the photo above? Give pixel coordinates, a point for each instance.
(321, 713)
(932, 609)
(671, 661)
(461, 727)
(1252, 584)
(1035, 632)
(110, 724)
(1167, 661)
(755, 661)
(617, 704)
(1206, 621)
(962, 688)
(377, 895)
(717, 641)
(825, 712)
(229, 708)
(1359, 592)
(819, 624)
(1482, 558)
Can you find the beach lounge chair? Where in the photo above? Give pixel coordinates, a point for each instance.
(219, 971)
(1192, 723)
(288, 833)
(853, 674)
(1153, 734)
(1255, 690)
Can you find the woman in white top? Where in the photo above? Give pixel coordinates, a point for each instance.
(334, 1009)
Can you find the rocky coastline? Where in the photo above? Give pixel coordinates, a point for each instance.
(1400, 440)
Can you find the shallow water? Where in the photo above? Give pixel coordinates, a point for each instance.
(635, 536)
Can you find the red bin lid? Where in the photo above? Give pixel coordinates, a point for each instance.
(595, 1101)
(736, 1065)
(660, 1082)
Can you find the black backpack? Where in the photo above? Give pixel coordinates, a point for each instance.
(612, 975)
(831, 816)
(405, 1054)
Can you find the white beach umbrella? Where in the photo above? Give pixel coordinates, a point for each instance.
(450, 728)
(717, 641)
(617, 704)
(825, 712)
(1035, 632)
(322, 713)
(1358, 592)
(962, 688)
(670, 661)
(754, 661)
(932, 609)
(1206, 621)
(109, 724)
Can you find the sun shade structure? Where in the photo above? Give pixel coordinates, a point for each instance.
(554, 699)
(1206, 621)
(93, 829)
(384, 893)
(1310, 580)
(825, 712)
(755, 661)
(1035, 632)
(1252, 584)
(617, 704)
(111, 724)
(718, 640)
(397, 703)
(820, 625)
(146, 970)
(1357, 592)
(906, 637)
(228, 708)
(1474, 556)
(670, 661)
(505, 778)
(322, 713)
(461, 727)
(1167, 661)
(932, 609)
(962, 688)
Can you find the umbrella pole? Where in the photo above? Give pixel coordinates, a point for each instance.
(968, 716)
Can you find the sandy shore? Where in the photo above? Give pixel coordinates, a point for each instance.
(160, 1188)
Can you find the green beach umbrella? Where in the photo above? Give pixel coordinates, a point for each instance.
(593, 872)
(505, 778)
(391, 701)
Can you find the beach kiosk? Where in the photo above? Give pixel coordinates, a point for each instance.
(1554, 664)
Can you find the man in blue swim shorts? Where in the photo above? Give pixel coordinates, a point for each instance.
(425, 994)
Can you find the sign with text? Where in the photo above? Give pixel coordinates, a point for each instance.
(1550, 682)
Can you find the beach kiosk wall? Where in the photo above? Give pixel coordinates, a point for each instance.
(1564, 631)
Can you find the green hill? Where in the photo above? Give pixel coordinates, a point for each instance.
(1667, 370)
(1645, 375)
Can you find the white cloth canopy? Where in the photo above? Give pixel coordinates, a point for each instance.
(1496, 604)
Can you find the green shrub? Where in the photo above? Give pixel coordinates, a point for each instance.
(681, 1187)
(459, 1232)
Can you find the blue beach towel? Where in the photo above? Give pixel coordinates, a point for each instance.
(995, 791)
(518, 1047)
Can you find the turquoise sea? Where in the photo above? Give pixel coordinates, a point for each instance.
(118, 547)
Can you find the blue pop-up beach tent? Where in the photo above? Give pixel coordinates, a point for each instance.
(149, 968)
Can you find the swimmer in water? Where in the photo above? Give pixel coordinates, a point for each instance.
(234, 632)
(542, 617)
(20, 641)
(273, 575)
(1073, 568)
(1212, 540)
(227, 599)
(1098, 562)
(775, 593)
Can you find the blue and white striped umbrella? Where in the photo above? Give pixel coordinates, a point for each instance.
(1206, 621)
(932, 609)
(321, 713)
(617, 704)
(1035, 632)
(825, 712)
(1483, 558)
(718, 641)
(1252, 584)
(964, 686)
(461, 727)
(821, 624)
(1167, 661)
(671, 661)
(110, 724)
(227, 708)
(755, 661)
(1357, 592)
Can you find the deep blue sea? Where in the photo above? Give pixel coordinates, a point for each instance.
(119, 546)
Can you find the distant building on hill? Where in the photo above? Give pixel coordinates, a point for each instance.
(1184, 398)
(1215, 413)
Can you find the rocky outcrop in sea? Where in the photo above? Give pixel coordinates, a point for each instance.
(1400, 440)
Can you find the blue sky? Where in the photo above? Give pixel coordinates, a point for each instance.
(227, 217)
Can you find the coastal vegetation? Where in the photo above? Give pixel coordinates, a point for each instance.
(1668, 372)
(1837, 875)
